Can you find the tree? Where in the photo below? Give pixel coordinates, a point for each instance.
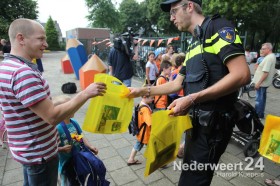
(52, 35)
(103, 14)
(259, 18)
(11, 10)
(132, 15)
(160, 20)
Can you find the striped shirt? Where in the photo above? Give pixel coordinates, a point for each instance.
(30, 138)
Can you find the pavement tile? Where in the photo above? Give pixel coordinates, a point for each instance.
(20, 183)
(271, 167)
(240, 180)
(234, 148)
(134, 183)
(106, 153)
(112, 137)
(128, 136)
(151, 178)
(99, 144)
(171, 174)
(12, 176)
(125, 152)
(220, 181)
(123, 176)
(229, 158)
(93, 137)
(114, 163)
(12, 164)
(162, 182)
(120, 143)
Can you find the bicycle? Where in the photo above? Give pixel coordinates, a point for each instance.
(139, 69)
(249, 89)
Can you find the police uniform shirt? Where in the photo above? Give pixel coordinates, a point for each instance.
(221, 42)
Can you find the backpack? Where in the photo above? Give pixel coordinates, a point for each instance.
(169, 99)
(133, 127)
(69, 88)
(90, 171)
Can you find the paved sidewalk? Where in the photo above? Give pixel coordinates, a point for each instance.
(114, 150)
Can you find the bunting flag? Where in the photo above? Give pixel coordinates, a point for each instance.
(159, 42)
(169, 41)
(176, 38)
(152, 42)
(108, 43)
(97, 43)
(144, 41)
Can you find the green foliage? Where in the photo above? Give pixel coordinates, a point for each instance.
(159, 19)
(52, 35)
(258, 19)
(102, 14)
(11, 10)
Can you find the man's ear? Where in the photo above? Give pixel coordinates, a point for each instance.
(20, 38)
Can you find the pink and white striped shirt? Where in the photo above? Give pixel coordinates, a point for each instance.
(30, 138)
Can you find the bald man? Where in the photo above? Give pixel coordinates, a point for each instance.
(27, 109)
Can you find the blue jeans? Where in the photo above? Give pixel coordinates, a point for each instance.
(138, 146)
(127, 82)
(44, 174)
(260, 101)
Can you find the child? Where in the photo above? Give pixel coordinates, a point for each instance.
(162, 100)
(144, 118)
(158, 59)
(151, 69)
(178, 65)
(66, 168)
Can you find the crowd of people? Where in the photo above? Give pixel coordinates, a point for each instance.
(203, 82)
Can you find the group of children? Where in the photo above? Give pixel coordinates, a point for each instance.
(154, 76)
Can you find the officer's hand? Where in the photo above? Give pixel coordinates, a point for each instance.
(180, 106)
(135, 92)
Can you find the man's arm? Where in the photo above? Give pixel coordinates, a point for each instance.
(238, 76)
(263, 78)
(55, 114)
(166, 88)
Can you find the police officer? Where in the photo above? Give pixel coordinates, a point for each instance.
(214, 69)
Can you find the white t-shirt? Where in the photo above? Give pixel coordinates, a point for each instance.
(153, 70)
(249, 57)
(267, 65)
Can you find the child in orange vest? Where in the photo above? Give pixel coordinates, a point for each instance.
(162, 100)
(144, 118)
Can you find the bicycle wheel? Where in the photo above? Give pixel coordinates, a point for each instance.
(240, 93)
(140, 72)
(251, 91)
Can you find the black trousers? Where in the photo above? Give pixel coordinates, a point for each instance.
(204, 147)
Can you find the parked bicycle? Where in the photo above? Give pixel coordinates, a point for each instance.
(248, 89)
(139, 67)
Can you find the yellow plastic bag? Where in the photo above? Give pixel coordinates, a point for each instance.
(112, 112)
(270, 140)
(164, 140)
